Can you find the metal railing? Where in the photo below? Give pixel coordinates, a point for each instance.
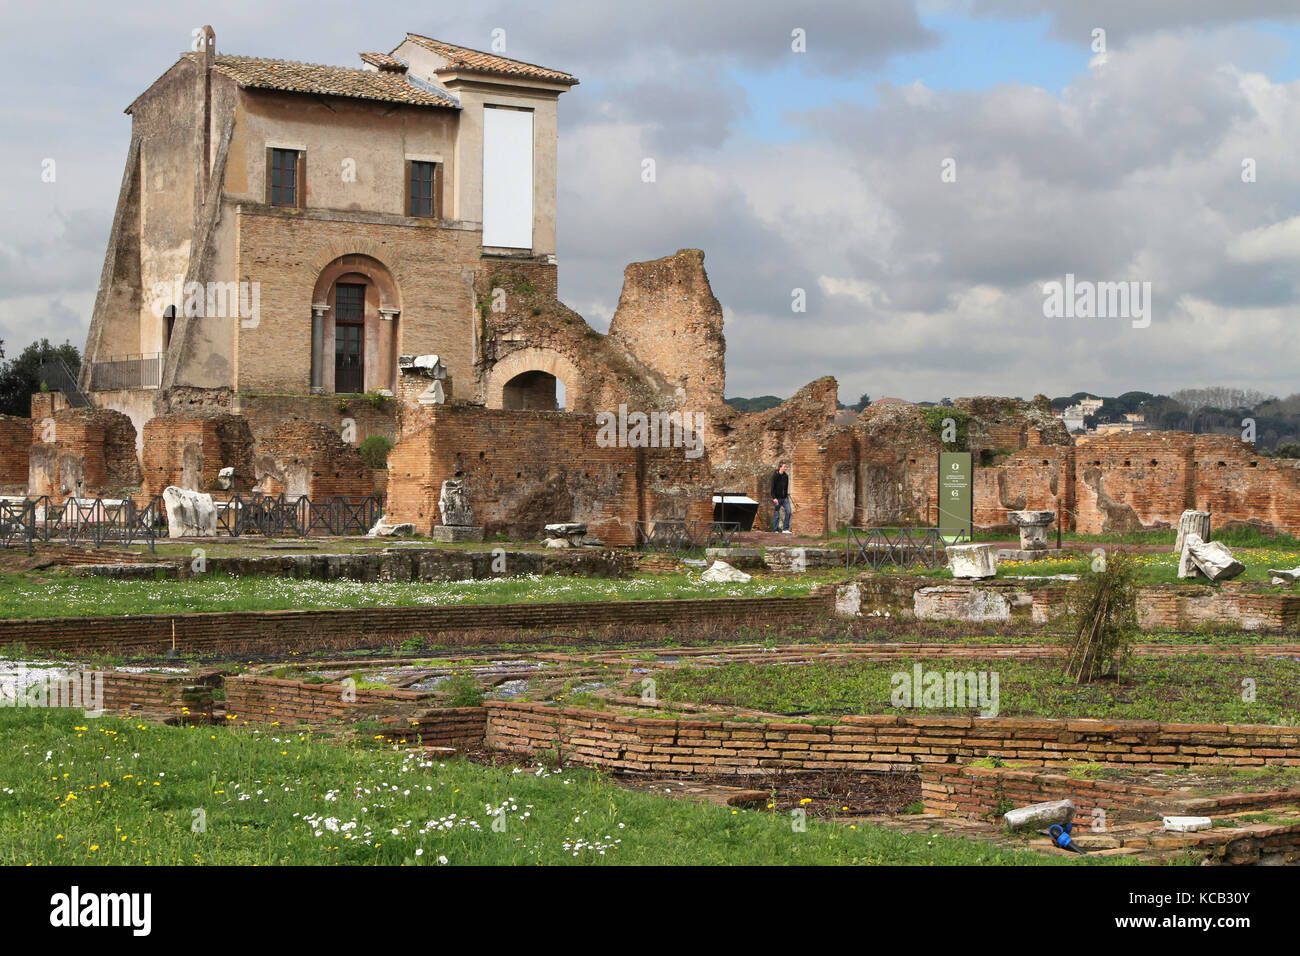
(94, 522)
(897, 547)
(127, 371)
(680, 537)
(99, 522)
(58, 377)
(298, 516)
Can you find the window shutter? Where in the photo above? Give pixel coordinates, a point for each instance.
(437, 191)
(300, 188)
(406, 191)
(269, 159)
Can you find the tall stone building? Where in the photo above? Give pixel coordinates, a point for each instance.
(292, 229)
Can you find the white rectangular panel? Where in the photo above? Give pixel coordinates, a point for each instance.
(507, 178)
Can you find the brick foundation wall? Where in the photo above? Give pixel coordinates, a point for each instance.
(883, 742)
(286, 631)
(981, 793)
(264, 700)
(461, 728)
(185, 698)
(1159, 606)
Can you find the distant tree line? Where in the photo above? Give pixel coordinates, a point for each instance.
(1205, 411)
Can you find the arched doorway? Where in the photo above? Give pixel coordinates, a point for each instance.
(354, 332)
(534, 390)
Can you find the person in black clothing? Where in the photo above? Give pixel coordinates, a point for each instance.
(780, 499)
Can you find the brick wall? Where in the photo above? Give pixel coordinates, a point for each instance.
(183, 698)
(45, 404)
(432, 267)
(276, 632)
(876, 742)
(525, 469)
(1147, 479)
(1037, 478)
(264, 700)
(303, 457)
(462, 728)
(1235, 484)
(15, 441)
(267, 412)
(669, 320)
(92, 454)
(188, 452)
(981, 793)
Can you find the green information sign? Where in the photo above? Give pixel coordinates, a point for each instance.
(955, 492)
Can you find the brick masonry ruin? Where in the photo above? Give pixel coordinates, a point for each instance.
(189, 451)
(308, 458)
(202, 215)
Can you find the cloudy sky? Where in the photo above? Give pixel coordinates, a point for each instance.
(920, 169)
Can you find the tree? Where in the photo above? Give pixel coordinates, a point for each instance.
(21, 377)
(863, 401)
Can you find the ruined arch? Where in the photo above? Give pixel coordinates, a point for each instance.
(534, 360)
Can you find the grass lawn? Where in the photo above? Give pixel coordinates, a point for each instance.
(1199, 689)
(1154, 567)
(1232, 537)
(1161, 567)
(58, 595)
(118, 791)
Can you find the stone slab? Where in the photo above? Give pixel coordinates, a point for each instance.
(448, 533)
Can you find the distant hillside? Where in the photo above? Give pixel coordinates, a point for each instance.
(759, 404)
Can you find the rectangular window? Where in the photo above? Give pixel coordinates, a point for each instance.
(349, 302)
(285, 173)
(422, 189)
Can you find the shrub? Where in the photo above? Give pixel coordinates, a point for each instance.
(1102, 619)
(374, 451)
(934, 417)
(463, 691)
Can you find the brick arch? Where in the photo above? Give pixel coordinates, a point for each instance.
(535, 360)
(364, 264)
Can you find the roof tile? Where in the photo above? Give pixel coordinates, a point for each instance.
(476, 61)
(292, 77)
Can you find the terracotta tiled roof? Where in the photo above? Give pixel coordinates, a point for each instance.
(292, 77)
(384, 62)
(476, 61)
